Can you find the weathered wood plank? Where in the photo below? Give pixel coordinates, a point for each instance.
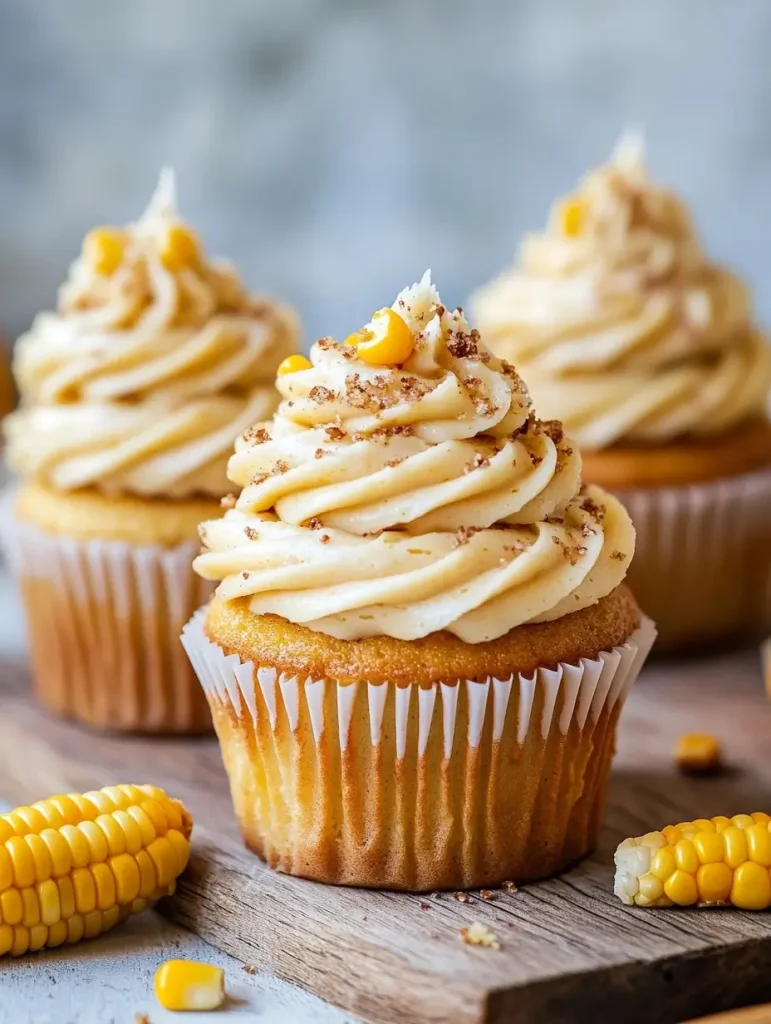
(570, 951)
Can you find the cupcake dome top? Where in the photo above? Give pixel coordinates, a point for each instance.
(405, 487)
(620, 321)
(155, 358)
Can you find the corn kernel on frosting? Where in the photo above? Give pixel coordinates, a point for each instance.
(404, 499)
(618, 320)
(155, 359)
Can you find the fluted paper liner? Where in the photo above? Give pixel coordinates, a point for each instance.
(104, 619)
(702, 564)
(411, 787)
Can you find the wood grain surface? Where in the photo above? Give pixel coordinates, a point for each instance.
(569, 950)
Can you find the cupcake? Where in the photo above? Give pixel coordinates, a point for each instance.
(618, 320)
(132, 394)
(421, 640)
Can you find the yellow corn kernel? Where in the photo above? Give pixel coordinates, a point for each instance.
(663, 863)
(743, 821)
(681, 888)
(58, 851)
(293, 364)
(23, 862)
(126, 873)
(685, 857)
(571, 215)
(189, 985)
(103, 248)
(651, 888)
(48, 901)
(759, 845)
(6, 869)
(179, 247)
(709, 847)
(11, 906)
(751, 889)
(735, 846)
(714, 881)
(57, 934)
(385, 341)
(76, 865)
(706, 861)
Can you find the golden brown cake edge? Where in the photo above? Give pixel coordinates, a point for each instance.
(440, 657)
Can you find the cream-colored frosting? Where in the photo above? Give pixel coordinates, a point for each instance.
(142, 378)
(618, 321)
(405, 500)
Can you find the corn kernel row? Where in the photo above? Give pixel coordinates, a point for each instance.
(73, 866)
(708, 861)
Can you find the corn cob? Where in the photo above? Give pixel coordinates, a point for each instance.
(72, 867)
(706, 862)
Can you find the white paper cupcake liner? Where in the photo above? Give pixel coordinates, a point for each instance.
(360, 769)
(103, 620)
(702, 565)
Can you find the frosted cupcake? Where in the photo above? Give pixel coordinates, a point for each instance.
(421, 640)
(132, 393)
(617, 319)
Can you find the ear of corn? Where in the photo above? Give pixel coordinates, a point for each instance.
(706, 862)
(73, 866)
(189, 985)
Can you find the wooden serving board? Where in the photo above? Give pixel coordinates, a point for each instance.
(569, 950)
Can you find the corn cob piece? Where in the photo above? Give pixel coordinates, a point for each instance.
(73, 866)
(706, 862)
(189, 985)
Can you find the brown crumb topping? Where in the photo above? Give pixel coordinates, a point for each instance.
(315, 523)
(486, 894)
(509, 887)
(335, 432)
(461, 897)
(618, 556)
(464, 534)
(228, 502)
(592, 509)
(553, 429)
(319, 453)
(257, 435)
(251, 533)
(320, 395)
(478, 462)
(325, 538)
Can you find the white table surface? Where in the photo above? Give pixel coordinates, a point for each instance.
(109, 980)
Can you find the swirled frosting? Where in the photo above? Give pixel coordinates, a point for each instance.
(404, 500)
(616, 317)
(146, 372)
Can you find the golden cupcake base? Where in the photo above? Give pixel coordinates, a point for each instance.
(422, 781)
(104, 615)
(702, 564)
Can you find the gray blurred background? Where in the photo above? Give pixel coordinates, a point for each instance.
(336, 149)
